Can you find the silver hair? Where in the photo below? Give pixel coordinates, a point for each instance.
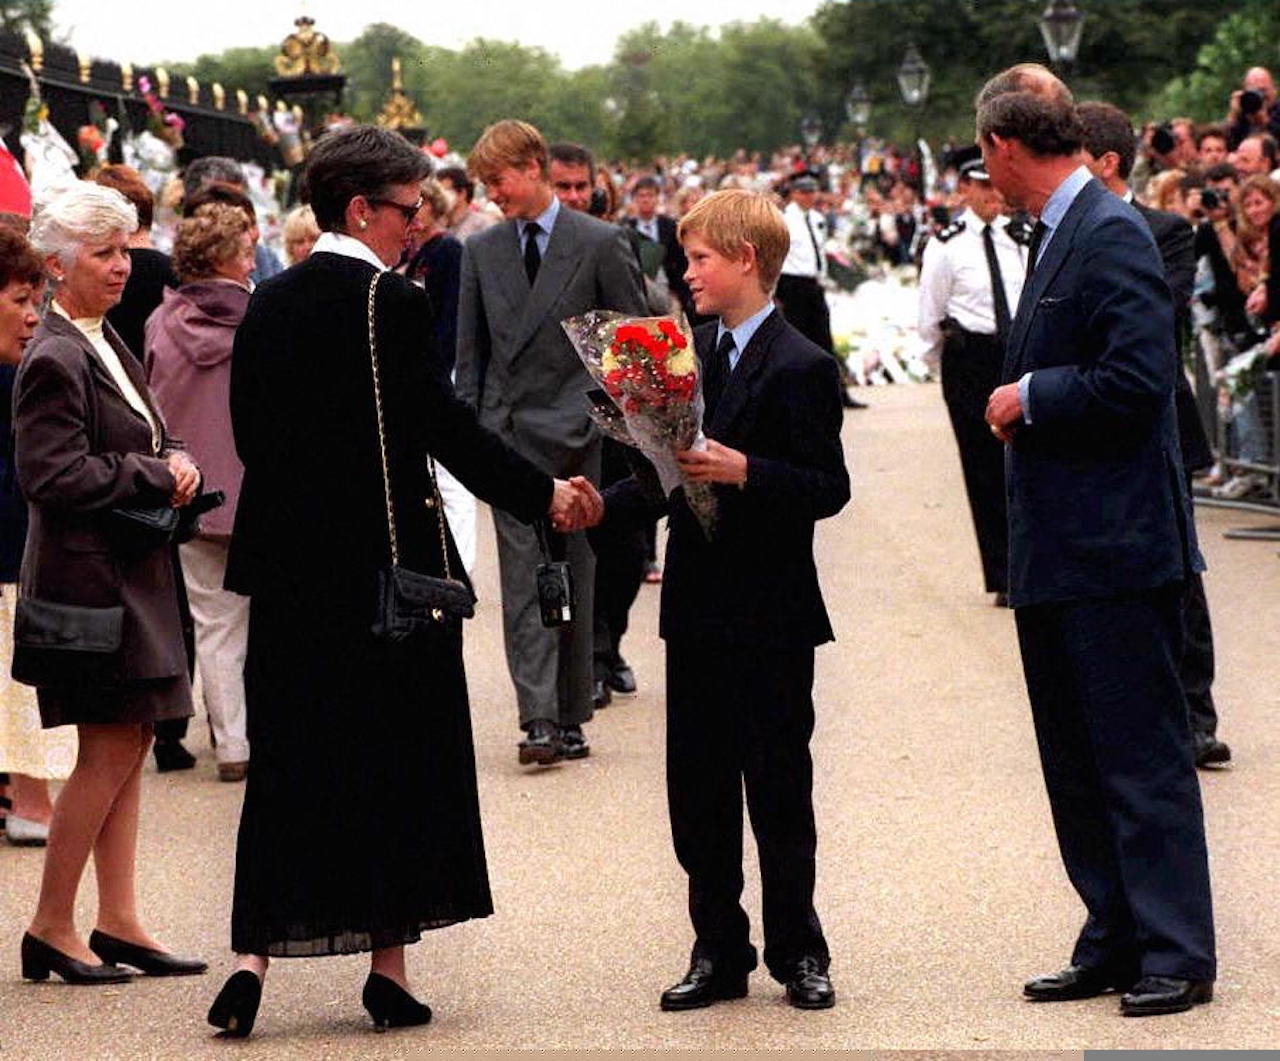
(83, 213)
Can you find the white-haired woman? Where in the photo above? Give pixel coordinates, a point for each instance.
(90, 449)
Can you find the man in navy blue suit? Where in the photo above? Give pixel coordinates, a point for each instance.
(1101, 541)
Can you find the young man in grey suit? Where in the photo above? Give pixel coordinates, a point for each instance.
(520, 279)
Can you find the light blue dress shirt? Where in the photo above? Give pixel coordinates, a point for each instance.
(743, 332)
(546, 221)
(1051, 217)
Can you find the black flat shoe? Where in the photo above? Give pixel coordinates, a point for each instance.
(236, 1007)
(703, 985)
(144, 959)
(39, 960)
(171, 755)
(1155, 995)
(622, 680)
(1076, 982)
(573, 743)
(809, 986)
(391, 1006)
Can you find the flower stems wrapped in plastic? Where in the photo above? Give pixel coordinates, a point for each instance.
(647, 368)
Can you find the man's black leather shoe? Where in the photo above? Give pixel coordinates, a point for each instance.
(573, 744)
(1210, 751)
(1076, 982)
(601, 695)
(1154, 995)
(702, 985)
(541, 745)
(622, 680)
(810, 987)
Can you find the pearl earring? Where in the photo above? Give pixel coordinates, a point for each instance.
(364, 223)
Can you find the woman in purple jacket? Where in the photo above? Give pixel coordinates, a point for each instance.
(188, 361)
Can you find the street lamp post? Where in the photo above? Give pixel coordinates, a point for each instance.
(1061, 26)
(857, 106)
(913, 82)
(811, 131)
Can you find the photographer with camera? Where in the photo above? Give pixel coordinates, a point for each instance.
(1254, 107)
(1165, 146)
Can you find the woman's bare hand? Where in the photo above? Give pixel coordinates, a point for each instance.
(186, 477)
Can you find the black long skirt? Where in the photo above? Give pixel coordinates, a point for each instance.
(361, 823)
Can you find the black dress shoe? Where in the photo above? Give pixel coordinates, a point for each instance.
(1210, 751)
(541, 745)
(39, 960)
(601, 695)
(152, 962)
(391, 1006)
(1076, 982)
(702, 985)
(573, 743)
(809, 987)
(622, 680)
(171, 755)
(1154, 995)
(850, 402)
(236, 1007)
(1001, 599)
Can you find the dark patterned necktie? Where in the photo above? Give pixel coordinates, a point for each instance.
(1033, 249)
(532, 256)
(718, 373)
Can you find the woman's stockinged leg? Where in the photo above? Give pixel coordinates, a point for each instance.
(108, 756)
(389, 962)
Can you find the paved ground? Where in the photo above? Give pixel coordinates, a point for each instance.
(939, 883)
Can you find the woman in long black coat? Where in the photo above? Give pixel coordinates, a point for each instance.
(361, 825)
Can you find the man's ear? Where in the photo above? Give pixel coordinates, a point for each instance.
(748, 257)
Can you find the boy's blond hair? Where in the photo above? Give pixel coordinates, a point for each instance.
(507, 143)
(726, 220)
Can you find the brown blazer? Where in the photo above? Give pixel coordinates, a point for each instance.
(71, 480)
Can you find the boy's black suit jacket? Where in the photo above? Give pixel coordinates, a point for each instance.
(755, 582)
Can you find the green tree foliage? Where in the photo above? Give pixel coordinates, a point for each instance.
(246, 68)
(1248, 37)
(367, 63)
(16, 15)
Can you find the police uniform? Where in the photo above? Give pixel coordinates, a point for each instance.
(960, 319)
(799, 291)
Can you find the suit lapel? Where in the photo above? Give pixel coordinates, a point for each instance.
(737, 388)
(556, 270)
(59, 325)
(1055, 255)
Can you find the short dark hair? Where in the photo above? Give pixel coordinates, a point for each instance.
(568, 154)
(1267, 144)
(19, 262)
(129, 183)
(647, 181)
(1047, 126)
(1210, 132)
(457, 176)
(1107, 128)
(211, 169)
(359, 160)
(1222, 171)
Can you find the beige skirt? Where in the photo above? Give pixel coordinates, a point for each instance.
(25, 746)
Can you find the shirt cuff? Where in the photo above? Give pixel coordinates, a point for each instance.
(1024, 397)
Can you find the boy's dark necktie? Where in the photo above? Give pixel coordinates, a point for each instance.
(532, 256)
(717, 374)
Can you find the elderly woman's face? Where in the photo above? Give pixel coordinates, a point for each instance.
(19, 315)
(392, 222)
(95, 282)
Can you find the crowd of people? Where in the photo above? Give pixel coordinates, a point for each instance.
(194, 443)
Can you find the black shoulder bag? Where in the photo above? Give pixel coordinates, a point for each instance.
(410, 602)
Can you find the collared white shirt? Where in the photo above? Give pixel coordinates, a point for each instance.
(955, 280)
(648, 228)
(348, 247)
(546, 222)
(743, 333)
(91, 327)
(800, 260)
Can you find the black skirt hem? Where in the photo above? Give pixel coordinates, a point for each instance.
(344, 941)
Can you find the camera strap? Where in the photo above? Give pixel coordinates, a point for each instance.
(552, 548)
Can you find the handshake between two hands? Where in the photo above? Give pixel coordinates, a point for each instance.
(575, 505)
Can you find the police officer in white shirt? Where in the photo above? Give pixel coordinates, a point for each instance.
(799, 292)
(969, 287)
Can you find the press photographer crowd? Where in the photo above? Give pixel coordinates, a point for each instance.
(244, 448)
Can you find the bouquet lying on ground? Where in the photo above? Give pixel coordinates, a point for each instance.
(649, 373)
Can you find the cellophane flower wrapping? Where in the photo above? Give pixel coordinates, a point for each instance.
(647, 367)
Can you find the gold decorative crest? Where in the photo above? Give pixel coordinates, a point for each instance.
(306, 52)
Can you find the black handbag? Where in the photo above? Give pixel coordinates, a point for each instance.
(65, 644)
(410, 602)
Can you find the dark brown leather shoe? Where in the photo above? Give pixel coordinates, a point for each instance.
(541, 745)
(1155, 995)
(810, 987)
(1076, 982)
(703, 985)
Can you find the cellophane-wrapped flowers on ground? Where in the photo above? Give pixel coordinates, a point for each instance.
(647, 367)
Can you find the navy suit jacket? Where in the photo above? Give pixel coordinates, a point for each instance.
(1097, 501)
(755, 582)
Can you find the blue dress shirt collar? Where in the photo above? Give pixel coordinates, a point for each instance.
(743, 333)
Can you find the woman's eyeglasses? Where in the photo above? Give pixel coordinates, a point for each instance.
(408, 211)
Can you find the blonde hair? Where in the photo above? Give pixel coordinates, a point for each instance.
(728, 220)
(207, 240)
(434, 196)
(82, 213)
(507, 143)
(1164, 188)
(299, 227)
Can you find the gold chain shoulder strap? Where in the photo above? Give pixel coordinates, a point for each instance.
(382, 446)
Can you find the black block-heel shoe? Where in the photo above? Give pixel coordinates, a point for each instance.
(144, 959)
(391, 1006)
(39, 960)
(236, 1007)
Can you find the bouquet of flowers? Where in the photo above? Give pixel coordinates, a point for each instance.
(165, 125)
(649, 373)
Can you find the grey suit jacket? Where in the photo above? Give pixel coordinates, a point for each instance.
(515, 363)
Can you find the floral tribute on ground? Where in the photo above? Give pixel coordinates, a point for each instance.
(652, 393)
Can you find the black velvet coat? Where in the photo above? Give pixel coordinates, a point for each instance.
(361, 824)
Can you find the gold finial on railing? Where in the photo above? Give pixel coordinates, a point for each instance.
(219, 96)
(263, 105)
(193, 91)
(126, 76)
(86, 67)
(162, 81)
(242, 101)
(36, 47)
